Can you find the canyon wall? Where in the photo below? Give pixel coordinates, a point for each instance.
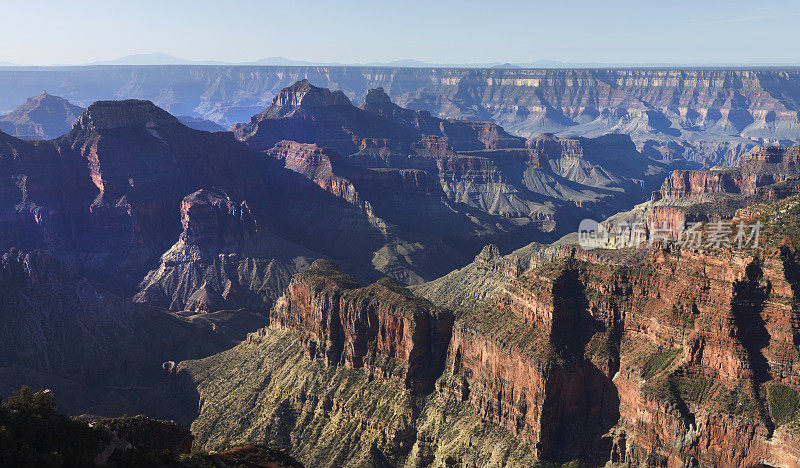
(639, 357)
(707, 115)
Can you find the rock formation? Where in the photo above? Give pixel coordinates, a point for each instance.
(41, 117)
(633, 356)
(105, 194)
(385, 160)
(382, 328)
(222, 260)
(308, 114)
(707, 115)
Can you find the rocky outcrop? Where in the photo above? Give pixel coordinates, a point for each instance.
(41, 117)
(105, 195)
(459, 135)
(762, 167)
(479, 282)
(222, 260)
(308, 114)
(382, 328)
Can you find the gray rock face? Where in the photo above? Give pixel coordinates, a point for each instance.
(41, 117)
(221, 260)
(708, 115)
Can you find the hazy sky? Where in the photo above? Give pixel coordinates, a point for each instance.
(674, 31)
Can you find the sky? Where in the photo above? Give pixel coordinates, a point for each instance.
(47, 32)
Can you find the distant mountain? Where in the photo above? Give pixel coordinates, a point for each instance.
(505, 65)
(41, 117)
(410, 63)
(155, 58)
(158, 58)
(280, 61)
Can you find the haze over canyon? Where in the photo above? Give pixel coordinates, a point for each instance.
(379, 266)
(710, 115)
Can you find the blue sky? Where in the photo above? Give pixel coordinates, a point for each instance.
(43, 32)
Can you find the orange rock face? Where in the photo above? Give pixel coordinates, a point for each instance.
(762, 167)
(693, 343)
(381, 328)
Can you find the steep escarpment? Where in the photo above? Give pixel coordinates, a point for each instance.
(708, 115)
(377, 327)
(633, 356)
(343, 376)
(493, 188)
(681, 365)
(713, 116)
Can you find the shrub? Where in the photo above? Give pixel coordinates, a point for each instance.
(784, 403)
(656, 363)
(34, 434)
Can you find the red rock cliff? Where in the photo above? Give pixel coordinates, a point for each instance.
(382, 328)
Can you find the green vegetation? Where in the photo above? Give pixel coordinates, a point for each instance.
(695, 389)
(600, 346)
(784, 404)
(34, 434)
(506, 328)
(336, 416)
(657, 363)
(679, 389)
(389, 292)
(737, 402)
(780, 221)
(724, 205)
(331, 271)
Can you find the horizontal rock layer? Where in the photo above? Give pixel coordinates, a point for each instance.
(706, 115)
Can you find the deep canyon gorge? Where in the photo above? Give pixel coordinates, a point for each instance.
(372, 266)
